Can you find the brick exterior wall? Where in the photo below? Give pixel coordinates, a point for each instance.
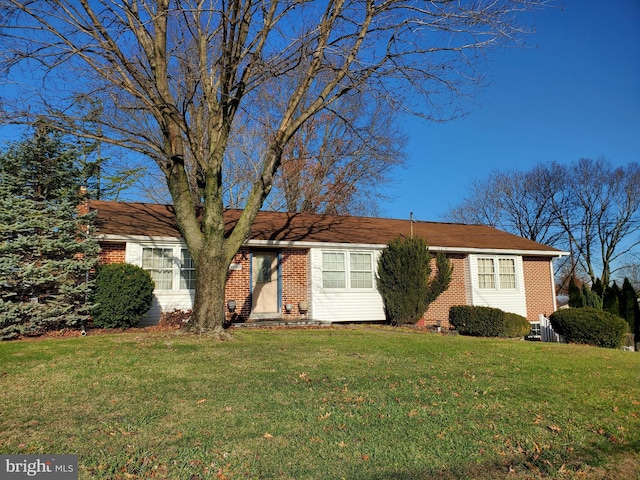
(456, 294)
(294, 281)
(293, 267)
(238, 286)
(539, 286)
(112, 252)
(538, 283)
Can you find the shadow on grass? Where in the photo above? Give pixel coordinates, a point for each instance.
(621, 462)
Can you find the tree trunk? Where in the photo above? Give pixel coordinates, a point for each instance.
(209, 304)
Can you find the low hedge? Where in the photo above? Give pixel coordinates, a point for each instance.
(589, 326)
(488, 322)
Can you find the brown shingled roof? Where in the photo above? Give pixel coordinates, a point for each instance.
(115, 218)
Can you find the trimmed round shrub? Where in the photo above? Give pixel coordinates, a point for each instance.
(122, 295)
(487, 322)
(589, 326)
(515, 326)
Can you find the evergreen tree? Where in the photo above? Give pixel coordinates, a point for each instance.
(611, 299)
(591, 298)
(46, 250)
(576, 294)
(404, 270)
(442, 279)
(598, 288)
(629, 309)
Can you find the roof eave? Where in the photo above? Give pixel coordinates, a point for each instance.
(368, 246)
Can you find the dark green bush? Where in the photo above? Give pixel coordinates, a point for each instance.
(403, 279)
(589, 326)
(487, 322)
(122, 295)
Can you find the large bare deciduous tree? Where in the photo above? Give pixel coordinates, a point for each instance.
(336, 161)
(599, 211)
(517, 201)
(587, 207)
(179, 79)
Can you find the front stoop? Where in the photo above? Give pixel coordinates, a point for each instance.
(280, 323)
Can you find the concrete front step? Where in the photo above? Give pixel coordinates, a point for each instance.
(280, 323)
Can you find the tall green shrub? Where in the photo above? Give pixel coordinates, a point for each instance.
(576, 294)
(403, 279)
(598, 288)
(611, 299)
(591, 298)
(46, 248)
(123, 295)
(629, 309)
(440, 282)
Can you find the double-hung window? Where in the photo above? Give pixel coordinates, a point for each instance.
(507, 273)
(347, 270)
(187, 271)
(486, 273)
(159, 263)
(360, 270)
(171, 268)
(333, 270)
(497, 273)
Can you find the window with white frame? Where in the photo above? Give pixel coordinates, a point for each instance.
(333, 270)
(171, 268)
(507, 273)
(159, 263)
(503, 278)
(355, 274)
(486, 273)
(187, 271)
(360, 270)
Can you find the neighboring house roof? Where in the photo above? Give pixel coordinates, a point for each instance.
(153, 220)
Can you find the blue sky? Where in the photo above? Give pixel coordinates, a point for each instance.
(573, 93)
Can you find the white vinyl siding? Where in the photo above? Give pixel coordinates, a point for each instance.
(173, 272)
(358, 299)
(498, 281)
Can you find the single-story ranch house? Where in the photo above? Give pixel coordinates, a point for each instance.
(297, 266)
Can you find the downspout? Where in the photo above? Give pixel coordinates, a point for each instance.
(554, 295)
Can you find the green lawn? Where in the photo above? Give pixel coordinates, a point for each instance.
(354, 403)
